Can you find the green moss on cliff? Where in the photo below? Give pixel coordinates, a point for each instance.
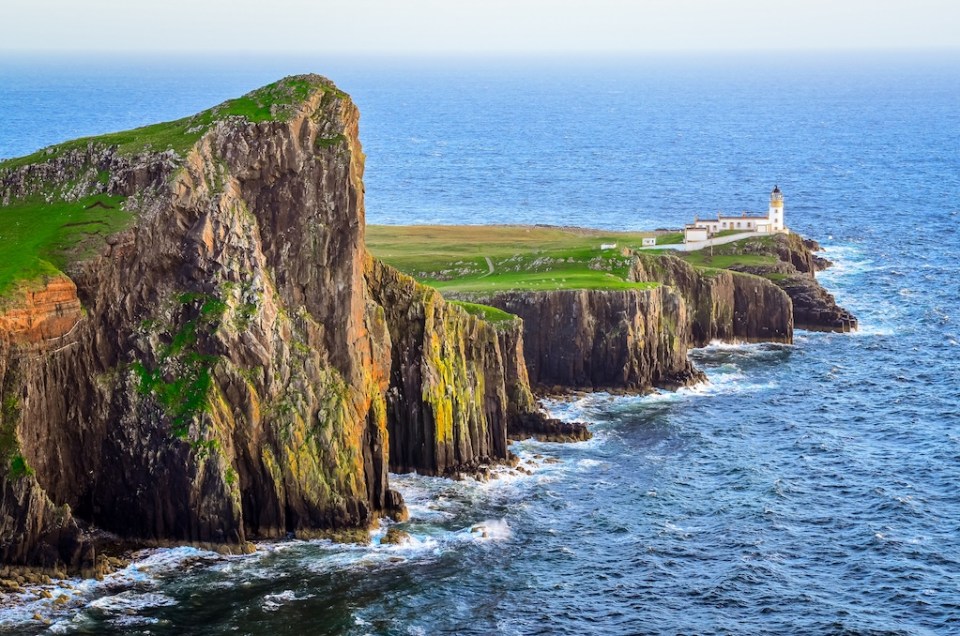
(182, 378)
(10, 455)
(9, 416)
(329, 142)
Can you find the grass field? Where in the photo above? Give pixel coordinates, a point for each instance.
(39, 238)
(702, 258)
(490, 314)
(479, 259)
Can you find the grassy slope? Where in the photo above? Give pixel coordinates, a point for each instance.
(490, 314)
(453, 258)
(39, 238)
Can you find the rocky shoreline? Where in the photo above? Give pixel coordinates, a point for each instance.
(235, 367)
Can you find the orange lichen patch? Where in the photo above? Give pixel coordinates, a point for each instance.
(43, 314)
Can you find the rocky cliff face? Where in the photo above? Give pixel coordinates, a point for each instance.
(227, 379)
(722, 305)
(592, 339)
(42, 315)
(814, 308)
(448, 405)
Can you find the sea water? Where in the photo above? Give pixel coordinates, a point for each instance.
(805, 489)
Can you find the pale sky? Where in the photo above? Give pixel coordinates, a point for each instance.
(407, 27)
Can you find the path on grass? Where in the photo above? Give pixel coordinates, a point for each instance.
(489, 266)
(699, 245)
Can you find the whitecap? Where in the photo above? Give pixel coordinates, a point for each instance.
(131, 602)
(273, 602)
(586, 464)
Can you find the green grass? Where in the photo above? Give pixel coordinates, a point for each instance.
(702, 258)
(453, 258)
(751, 251)
(274, 101)
(672, 238)
(490, 314)
(539, 281)
(39, 239)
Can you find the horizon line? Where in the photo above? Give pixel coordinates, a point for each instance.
(481, 53)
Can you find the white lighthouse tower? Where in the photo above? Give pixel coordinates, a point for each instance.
(776, 210)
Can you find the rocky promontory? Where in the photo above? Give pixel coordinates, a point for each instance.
(791, 263)
(197, 347)
(632, 339)
(723, 305)
(225, 362)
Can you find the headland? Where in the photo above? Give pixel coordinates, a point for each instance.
(202, 343)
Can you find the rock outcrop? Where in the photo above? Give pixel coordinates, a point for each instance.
(721, 304)
(630, 340)
(43, 314)
(447, 405)
(814, 308)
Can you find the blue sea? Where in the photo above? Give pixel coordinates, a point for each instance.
(805, 489)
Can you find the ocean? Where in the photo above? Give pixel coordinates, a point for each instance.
(805, 489)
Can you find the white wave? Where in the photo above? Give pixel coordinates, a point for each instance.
(588, 464)
(490, 530)
(876, 317)
(131, 602)
(273, 602)
(746, 348)
(726, 379)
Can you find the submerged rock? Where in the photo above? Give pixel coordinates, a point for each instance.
(395, 536)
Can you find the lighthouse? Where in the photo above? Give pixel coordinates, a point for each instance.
(776, 210)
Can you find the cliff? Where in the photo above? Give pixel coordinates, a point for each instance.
(722, 305)
(792, 266)
(631, 339)
(459, 387)
(239, 363)
(447, 407)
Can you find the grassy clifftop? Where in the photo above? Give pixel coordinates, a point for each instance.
(484, 259)
(66, 217)
(274, 101)
(478, 260)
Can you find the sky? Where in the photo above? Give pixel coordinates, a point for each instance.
(424, 27)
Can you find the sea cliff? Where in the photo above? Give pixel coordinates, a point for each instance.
(197, 347)
(229, 365)
(603, 339)
(722, 305)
